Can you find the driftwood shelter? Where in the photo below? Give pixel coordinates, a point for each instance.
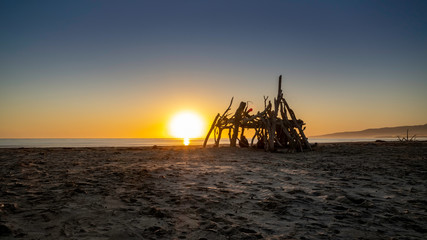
(275, 127)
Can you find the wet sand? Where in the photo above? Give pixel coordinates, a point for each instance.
(338, 191)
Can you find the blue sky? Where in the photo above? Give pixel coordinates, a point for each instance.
(347, 65)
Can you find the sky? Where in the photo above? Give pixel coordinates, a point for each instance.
(123, 69)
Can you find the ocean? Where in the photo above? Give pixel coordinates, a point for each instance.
(94, 142)
(140, 142)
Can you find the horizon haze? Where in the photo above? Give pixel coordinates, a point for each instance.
(384, 132)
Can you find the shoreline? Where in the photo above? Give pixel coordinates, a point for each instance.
(340, 191)
(145, 142)
(210, 145)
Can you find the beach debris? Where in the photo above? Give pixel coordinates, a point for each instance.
(407, 139)
(275, 127)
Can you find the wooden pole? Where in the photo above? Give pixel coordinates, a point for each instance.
(294, 119)
(284, 127)
(219, 137)
(273, 117)
(237, 118)
(228, 109)
(210, 130)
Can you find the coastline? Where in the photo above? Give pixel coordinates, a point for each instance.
(341, 190)
(144, 142)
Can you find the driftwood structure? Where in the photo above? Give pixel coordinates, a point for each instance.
(275, 127)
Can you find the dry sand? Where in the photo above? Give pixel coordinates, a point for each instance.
(339, 191)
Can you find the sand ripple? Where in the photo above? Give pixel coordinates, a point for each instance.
(339, 191)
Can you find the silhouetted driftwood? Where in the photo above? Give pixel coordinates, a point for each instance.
(210, 130)
(407, 139)
(275, 127)
(236, 123)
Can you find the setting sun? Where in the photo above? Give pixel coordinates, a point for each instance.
(186, 125)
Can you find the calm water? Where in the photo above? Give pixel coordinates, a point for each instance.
(94, 142)
(136, 142)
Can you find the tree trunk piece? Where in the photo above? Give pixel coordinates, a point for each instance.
(210, 130)
(237, 118)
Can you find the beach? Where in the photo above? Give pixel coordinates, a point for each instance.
(371, 190)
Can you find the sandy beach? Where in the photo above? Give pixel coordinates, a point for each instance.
(339, 191)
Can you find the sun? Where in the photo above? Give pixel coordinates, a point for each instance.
(186, 125)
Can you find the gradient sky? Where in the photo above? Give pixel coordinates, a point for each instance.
(124, 68)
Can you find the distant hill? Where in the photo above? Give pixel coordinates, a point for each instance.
(387, 132)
